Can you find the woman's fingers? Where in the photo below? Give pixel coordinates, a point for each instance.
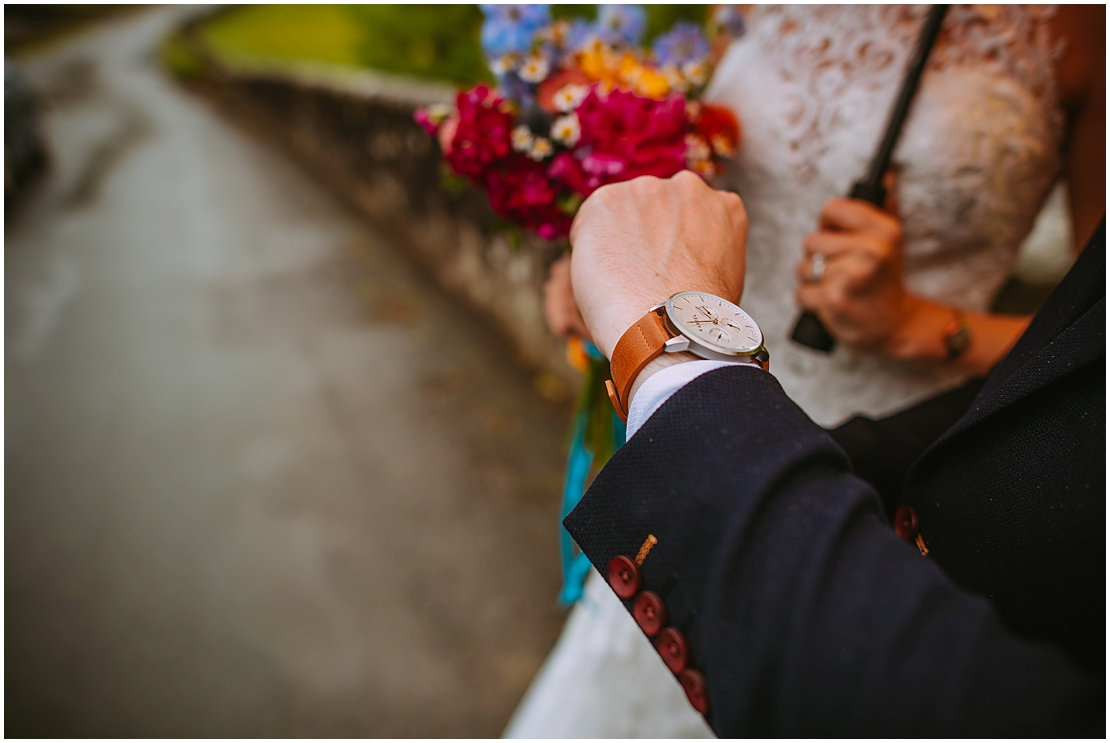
(560, 309)
(852, 272)
(835, 308)
(835, 244)
(853, 215)
(831, 244)
(823, 300)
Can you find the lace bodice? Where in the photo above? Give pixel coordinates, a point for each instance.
(813, 86)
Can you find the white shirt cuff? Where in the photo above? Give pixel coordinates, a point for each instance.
(659, 387)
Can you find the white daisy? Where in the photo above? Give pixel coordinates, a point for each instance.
(569, 97)
(534, 69)
(505, 63)
(557, 33)
(674, 77)
(566, 130)
(696, 72)
(722, 146)
(697, 148)
(522, 138)
(541, 148)
(704, 168)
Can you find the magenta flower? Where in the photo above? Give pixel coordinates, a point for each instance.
(483, 133)
(623, 137)
(421, 117)
(521, 190)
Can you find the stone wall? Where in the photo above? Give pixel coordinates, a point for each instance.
(355, 130)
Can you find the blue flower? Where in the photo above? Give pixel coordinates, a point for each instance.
(622, 23)
(580, 32)
(514, 89)
(684, 43)
(512, 28)
(499, 39)
(529, 16)
(728, 19)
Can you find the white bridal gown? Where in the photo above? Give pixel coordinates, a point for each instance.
(812, 86)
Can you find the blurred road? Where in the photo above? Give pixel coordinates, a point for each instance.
(262, 479)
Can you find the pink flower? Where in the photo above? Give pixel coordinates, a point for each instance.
(421, 117)
(623, 137)
(521, 191)
(568, 170)
(483, 132)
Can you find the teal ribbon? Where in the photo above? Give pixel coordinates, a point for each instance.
(576, 566)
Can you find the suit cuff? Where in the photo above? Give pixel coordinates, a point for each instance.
(660, 386)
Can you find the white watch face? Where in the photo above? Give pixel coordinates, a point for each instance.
(714, 322)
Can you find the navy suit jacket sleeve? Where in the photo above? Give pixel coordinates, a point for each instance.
(805, 612)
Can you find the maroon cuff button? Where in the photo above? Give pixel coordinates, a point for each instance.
(671, 645)
(905, 522)
(693, 683)
(624, 576)
(649, 613)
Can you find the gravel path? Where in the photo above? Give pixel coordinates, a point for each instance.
(262, 478)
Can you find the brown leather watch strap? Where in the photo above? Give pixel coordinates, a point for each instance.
(640, 344)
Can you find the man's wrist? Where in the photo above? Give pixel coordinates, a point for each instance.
(621, 316)
(608, 326)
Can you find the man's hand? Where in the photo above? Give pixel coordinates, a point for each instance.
(638, 242)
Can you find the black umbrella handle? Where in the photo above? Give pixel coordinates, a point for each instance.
(809, 330)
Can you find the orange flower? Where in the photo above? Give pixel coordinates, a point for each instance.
(720, 127)
(597, 62)
(624, 71)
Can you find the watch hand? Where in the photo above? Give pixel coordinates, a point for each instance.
(704, 311)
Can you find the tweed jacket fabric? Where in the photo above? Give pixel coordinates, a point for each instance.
(805, 612)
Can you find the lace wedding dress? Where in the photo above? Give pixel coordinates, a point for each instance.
(977, 158)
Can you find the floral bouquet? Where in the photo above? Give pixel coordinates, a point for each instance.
(579, 105)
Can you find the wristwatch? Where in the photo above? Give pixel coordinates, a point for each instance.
(708, 326)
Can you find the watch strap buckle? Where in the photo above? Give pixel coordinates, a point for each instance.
(616, 400)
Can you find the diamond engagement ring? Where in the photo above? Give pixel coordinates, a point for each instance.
(817, 268)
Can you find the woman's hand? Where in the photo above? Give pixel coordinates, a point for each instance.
(860, 296)
(863, 301)
(559, 307)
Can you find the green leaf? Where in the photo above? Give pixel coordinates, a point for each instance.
(452, 184)
(568, 203)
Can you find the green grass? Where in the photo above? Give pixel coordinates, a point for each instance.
(440, 42)
(433, 41)
(317, 33)
(179, 60)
